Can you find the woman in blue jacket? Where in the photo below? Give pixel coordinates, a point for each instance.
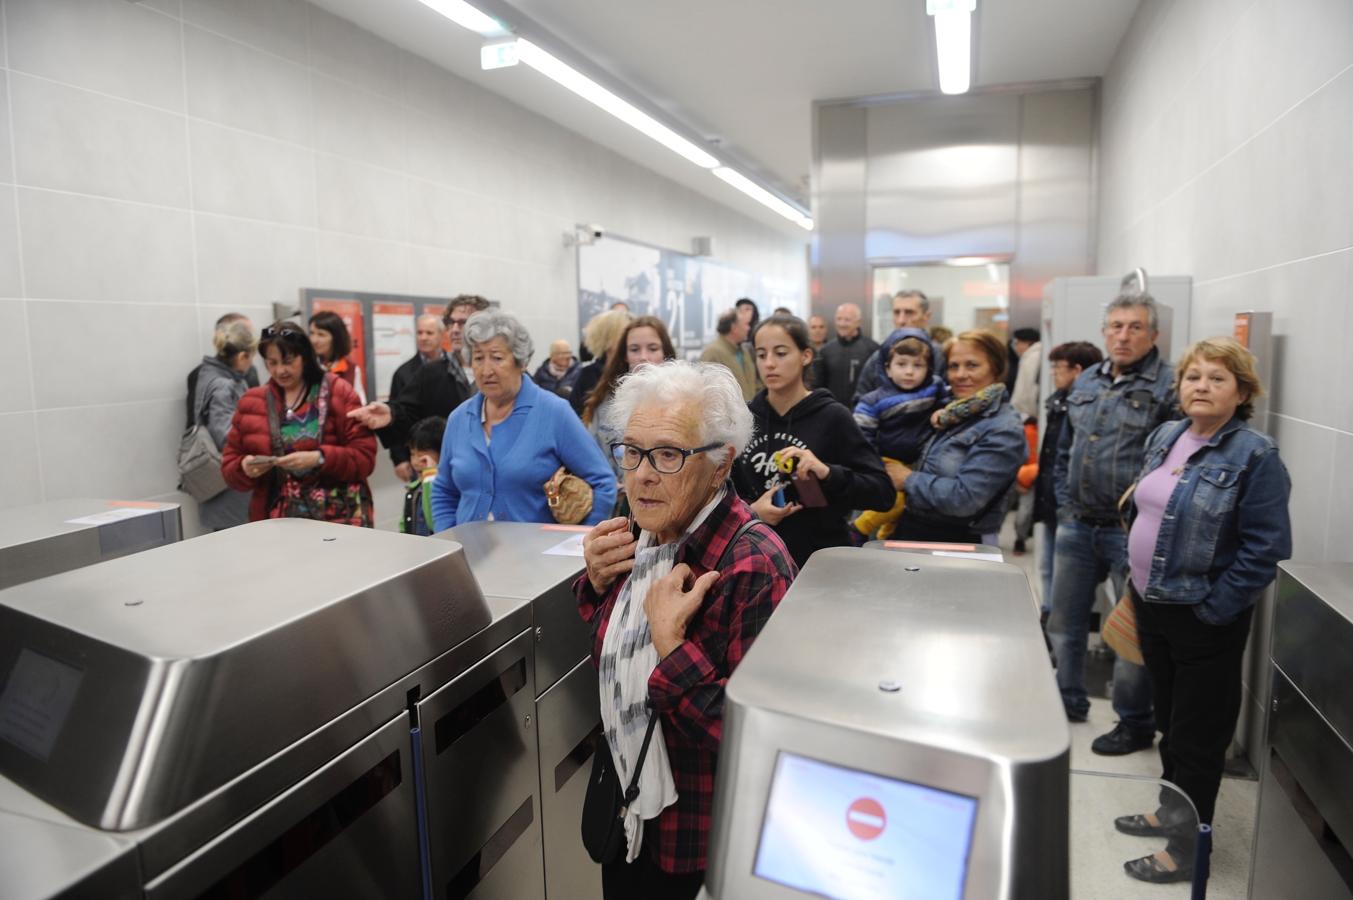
(956, 491)
(1210, 527)
(506, 441)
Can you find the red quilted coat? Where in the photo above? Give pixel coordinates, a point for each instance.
(349, 448)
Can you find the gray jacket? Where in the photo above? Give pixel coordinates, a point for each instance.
(219, 389)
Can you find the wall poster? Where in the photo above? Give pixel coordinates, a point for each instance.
(686, 292)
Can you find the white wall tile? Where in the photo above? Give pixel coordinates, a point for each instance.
(362, 264)
(439, 273)
(20, 475)
(15, 370)
(1308, 453)
(100, 335)
(137, 445)
(277, 26)
(359, 199)
(431, 90)
(84, 248)
(241, 262)
(237, 85)
(1339, 546)
(9, 245)
(245, 175)
(118, 48)
(74, 140)
(358, 124)
(341, 50)
(6, 157)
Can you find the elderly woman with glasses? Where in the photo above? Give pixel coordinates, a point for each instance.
(675, 597)
(504, 443)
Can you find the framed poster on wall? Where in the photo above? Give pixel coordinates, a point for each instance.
(686, 292)
(382, 328)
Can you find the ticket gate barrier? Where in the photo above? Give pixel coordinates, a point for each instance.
(894, 731)
(60, 535)
(234, 715)
(532, 567)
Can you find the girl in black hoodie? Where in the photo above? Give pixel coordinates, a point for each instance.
(821, 433)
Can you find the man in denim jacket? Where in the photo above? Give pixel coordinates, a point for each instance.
(1111, 410)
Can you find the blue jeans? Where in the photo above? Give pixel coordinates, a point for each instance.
(1045, 560)
(1085, 556)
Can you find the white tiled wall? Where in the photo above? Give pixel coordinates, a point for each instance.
(1226, 137)
(164, 162)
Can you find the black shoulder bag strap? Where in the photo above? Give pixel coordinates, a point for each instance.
(632, 791)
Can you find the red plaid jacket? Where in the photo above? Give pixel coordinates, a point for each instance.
(687, 687)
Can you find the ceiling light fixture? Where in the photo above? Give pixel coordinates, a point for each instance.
(764, 197)
(593, 93)
(503, 51)
(953, 42)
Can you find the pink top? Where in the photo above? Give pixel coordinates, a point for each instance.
(1152, 494)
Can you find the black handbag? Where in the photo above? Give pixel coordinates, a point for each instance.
(605, 806)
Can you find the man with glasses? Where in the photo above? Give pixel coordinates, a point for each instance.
(435, 390)
(1111, 409)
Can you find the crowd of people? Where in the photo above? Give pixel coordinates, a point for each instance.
(708, 485)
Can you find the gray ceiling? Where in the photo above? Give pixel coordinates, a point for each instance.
(746, 72)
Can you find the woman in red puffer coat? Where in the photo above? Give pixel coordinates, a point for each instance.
(291, 442)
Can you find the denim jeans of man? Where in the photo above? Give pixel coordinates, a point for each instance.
(1047, 547)
(1085, 556)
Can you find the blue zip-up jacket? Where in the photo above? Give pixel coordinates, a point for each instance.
(1099, 453)
(966, 469)
(897, 421)
(1226, 525)
(507, 477)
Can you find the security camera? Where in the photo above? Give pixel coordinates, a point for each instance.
(596, 232)
(584, 235)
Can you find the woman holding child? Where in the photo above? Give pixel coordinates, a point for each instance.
(808, 431)
(956, 488)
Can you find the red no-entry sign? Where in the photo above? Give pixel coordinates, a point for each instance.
(865, 818)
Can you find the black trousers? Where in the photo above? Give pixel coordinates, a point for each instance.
(1196, 668)
(643, 880)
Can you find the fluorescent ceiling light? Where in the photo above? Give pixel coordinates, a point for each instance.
(466, 16)
(953, 42)
(764, 197)
(626, 112)
(498, 55)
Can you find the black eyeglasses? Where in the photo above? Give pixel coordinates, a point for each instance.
(664, 460)
(272, 331)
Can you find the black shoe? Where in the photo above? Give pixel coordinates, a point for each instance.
(1122, 741)
(1139, 826)
(1019, 547)
(1148, 868)
(1075, 717)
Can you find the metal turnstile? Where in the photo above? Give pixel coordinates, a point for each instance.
(1305, 825)
(895, 731)
(513, 568)
(234, 715)
(48, 538)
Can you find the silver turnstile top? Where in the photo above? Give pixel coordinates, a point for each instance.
(509, 558)
(47, 538)
(895, 730)
(135, 687)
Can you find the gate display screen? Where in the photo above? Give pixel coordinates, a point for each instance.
(844, 833)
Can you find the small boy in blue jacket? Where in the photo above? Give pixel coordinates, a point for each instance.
(895, 417)
(425, 450)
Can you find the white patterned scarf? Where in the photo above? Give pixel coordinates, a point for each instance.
(628, 658)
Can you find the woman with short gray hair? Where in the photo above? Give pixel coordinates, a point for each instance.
(504, 443)
(675, 596)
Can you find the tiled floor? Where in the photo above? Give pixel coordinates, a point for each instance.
(1098, 851)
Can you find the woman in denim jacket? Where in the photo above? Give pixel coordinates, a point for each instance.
(955, 493)
(1210, 526)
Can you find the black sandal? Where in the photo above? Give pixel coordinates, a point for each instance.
(1152, 870)
(1138, 825)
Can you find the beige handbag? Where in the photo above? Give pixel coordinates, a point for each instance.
(570, 497)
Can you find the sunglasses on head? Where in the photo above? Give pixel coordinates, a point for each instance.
(273, 331)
